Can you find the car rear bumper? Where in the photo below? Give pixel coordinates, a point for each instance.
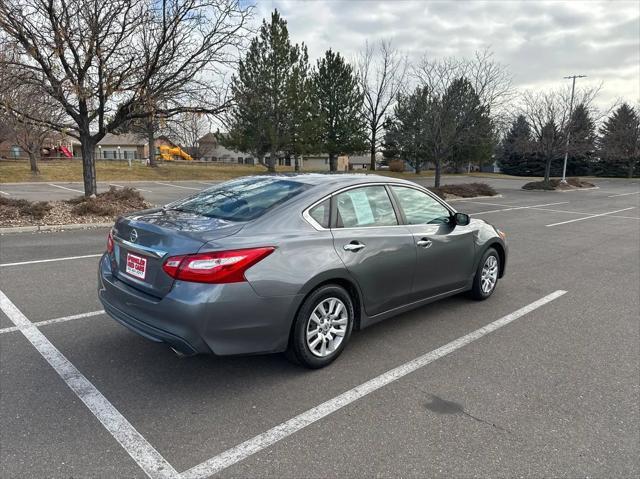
(193, 318)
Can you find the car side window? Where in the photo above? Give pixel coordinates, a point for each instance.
(320, 213)
(420, 208)
(366, 206)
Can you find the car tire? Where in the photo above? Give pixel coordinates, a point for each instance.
(486, 278)
(322, 327)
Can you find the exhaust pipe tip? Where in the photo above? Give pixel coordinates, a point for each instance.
(180, 354)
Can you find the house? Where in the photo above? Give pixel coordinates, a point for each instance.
(52, 147)
(362, 161)
(321, 163)
(125, 146)
(209, 149)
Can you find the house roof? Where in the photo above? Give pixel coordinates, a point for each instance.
(208, 138)
(111, 139)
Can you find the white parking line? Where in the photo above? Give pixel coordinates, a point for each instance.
(20, 263)
(589, 217)
(177, 186)
(145, 455)
(65, 188)
(624, 194)
(4, 193)
(517, 208)
(132, 187)
(55, 320)
(277, 433)
(489, 204)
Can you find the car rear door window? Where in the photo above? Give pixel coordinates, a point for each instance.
(320, 213)
(364, 207)
(420, 208)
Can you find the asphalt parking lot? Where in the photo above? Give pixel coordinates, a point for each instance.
(542, 379)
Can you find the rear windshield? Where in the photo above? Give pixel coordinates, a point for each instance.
(240, 200)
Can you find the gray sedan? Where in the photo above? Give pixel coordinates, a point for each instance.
(291, 263)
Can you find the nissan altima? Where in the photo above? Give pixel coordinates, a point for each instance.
(294, 263)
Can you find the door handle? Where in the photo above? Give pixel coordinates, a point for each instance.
(424, 243)
(354, 246)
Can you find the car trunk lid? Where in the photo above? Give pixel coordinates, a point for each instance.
(143, 241)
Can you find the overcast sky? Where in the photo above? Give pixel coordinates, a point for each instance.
(540, 41)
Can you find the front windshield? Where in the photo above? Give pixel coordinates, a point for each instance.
(240, 200)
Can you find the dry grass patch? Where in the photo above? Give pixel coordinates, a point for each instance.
(71, 170)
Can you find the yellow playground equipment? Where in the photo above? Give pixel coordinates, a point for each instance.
(169, 153)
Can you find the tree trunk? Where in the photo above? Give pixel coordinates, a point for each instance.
(271, 166)
(373, 153)
(333, 162)
(296, 160)
(547, 172)
(631, 165)
(418, 167)
(151, 142)
(436, 181)
(261, 161)
(88, 165)
(33, 162)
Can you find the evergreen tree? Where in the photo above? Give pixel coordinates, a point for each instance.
(548, 144)
(619, 143)
(515, 149)
(405, 136)
(300, 116)
(582, 142)
(474, 138)
(450, 121)
(259, 122)
(338, 98)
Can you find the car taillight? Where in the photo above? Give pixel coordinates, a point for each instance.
(215, 267)
(110, 242)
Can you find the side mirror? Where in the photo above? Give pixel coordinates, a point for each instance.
(461, 219)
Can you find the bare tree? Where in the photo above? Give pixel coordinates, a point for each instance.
(382, 71)
(25, 114)
(489, 81)
(30, 135)
(110, 63)
(187, 128)
(547, 113)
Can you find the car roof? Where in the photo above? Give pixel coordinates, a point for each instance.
(342, 179)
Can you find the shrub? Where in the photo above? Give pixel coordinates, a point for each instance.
(556, 184)
(36, 209)
(110, 203)
(465, 190)
(396, 165)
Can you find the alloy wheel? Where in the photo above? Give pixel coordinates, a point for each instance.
(326, 327)
(489, 275)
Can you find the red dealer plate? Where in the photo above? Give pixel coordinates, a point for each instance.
(136, 266)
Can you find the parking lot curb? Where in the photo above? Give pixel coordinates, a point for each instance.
(45, 228)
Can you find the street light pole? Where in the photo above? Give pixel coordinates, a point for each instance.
(566, 147)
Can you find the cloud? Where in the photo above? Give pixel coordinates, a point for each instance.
(540, 41)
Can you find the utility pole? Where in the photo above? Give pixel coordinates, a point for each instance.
(566, 148)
